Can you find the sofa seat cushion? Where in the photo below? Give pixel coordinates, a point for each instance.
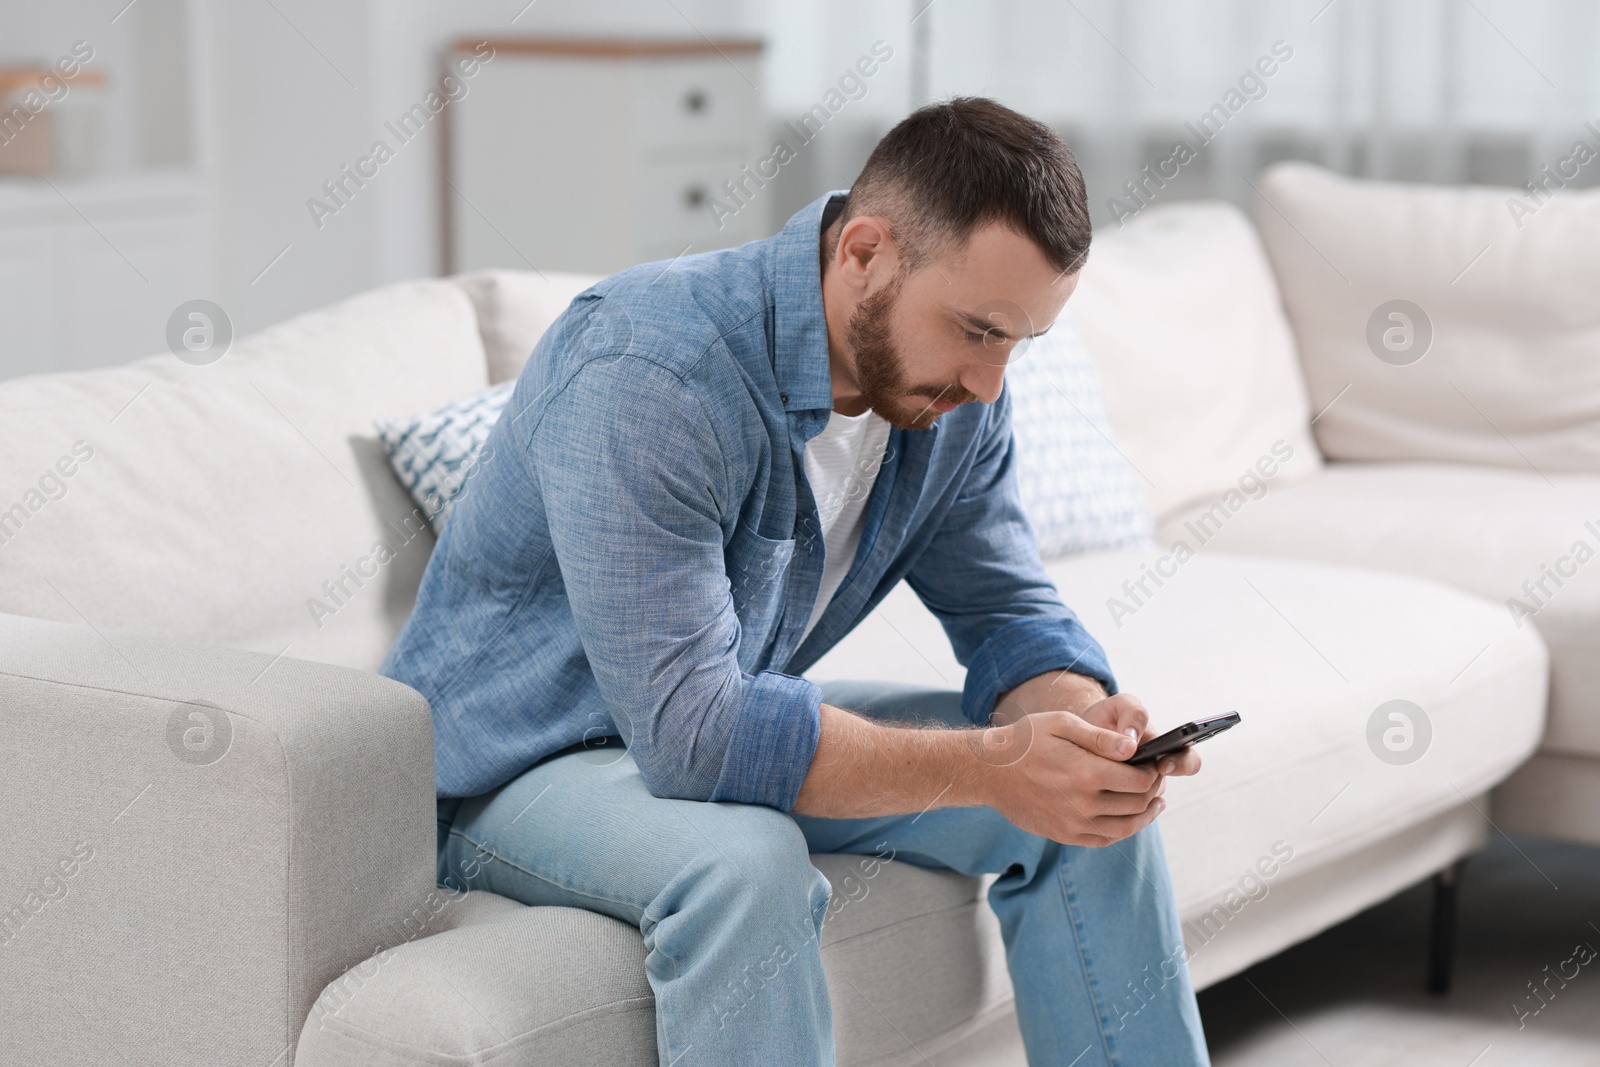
(1307, 654)
(240, 502)
(1528, 542)
(497, 982)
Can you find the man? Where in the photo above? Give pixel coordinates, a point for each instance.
(707, 474)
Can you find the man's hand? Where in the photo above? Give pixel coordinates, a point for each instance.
(1067, 780)
(1065, 691)
(1058, 775)
(1108, 805)
(1125, 714)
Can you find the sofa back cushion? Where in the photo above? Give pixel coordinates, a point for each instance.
(1442, 323)
(514, 308)
(242, 502)
(1183, 319)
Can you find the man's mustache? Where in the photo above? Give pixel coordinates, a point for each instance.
(950, 394)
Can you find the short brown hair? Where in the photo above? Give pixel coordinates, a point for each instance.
(948, 168)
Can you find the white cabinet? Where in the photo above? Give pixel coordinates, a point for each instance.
(90, 270)
(595, 155)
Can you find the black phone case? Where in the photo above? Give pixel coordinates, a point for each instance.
(1190, 733)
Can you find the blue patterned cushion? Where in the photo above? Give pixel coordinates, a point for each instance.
(1079, 491)
(433, 453)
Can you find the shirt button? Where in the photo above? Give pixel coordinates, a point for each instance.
(783, 398)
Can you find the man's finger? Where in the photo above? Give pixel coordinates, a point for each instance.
(1110, 744)
(1113, 804)
(1123, 712)
(1118, 827)
(1180, 764)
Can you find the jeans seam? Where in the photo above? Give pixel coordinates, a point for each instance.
(549, 881)
(1077, 940)
(662, 1014)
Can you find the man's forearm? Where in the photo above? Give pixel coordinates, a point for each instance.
(1055, 772)
(867, 767)
(864, 767)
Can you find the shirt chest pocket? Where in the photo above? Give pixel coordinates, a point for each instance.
(757, 569)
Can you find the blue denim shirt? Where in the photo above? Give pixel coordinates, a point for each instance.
(637, 552)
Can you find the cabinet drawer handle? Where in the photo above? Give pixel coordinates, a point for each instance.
(694, 101)
(694, 196)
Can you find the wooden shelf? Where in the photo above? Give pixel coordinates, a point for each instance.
(611, 47)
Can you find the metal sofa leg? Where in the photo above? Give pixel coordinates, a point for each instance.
(1442, 936)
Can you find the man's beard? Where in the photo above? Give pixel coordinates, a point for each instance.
(880, 372)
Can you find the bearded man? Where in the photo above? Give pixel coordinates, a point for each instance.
(708, 473)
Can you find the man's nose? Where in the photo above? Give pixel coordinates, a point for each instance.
(984, 380)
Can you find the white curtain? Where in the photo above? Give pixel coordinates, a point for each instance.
(1485, 91)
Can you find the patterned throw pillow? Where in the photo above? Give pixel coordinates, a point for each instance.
(1079, 491)
(434, 453)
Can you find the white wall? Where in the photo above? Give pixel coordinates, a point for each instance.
(269, 100)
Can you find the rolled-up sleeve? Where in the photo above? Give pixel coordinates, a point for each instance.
(635, 490)
(982, 576)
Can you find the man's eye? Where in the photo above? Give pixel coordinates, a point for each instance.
(974, 338)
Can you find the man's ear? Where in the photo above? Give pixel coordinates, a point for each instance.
(865, 256)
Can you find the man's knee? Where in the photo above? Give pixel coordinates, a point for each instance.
(763, 856)
(766, 840)
(769, 890)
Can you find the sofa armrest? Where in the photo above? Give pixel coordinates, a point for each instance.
(196, 840)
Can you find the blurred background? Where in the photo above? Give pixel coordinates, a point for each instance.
(154, 152)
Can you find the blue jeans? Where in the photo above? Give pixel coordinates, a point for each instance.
(1091, 935)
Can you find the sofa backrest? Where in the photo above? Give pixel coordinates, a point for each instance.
(1506, 282)
(223, 503)
(248, 503)
(1180, 312)
(515, 308)
(1183, 320)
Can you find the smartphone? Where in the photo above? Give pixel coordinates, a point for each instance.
(1190, 733)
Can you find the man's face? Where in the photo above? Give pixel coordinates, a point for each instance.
(926, 342)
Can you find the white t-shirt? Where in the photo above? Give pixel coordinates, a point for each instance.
(842, 466)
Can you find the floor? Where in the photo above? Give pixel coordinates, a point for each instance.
(1354, 997)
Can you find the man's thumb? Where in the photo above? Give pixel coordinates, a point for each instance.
(1102, 742)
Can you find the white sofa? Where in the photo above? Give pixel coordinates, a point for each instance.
(220, 842)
